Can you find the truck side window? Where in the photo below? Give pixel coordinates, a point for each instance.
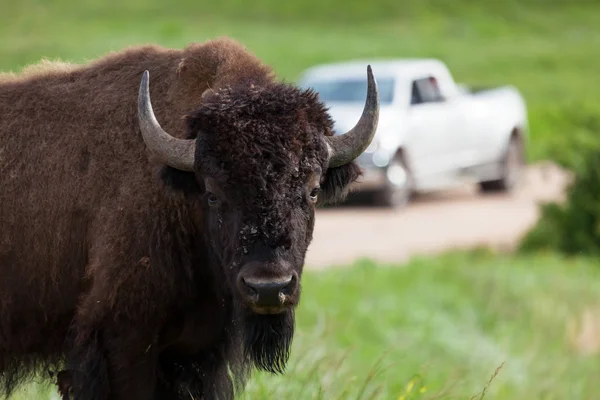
(425, 90)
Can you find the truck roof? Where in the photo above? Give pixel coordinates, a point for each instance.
(407, 67)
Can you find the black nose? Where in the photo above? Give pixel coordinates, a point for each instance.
(268, 293)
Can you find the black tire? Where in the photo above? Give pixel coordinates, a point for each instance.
(397, 196)
(512, 165)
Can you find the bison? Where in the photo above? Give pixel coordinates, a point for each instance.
(149, 260)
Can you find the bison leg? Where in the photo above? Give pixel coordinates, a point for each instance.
(121, 365)
(118, 321)
(65, 384)
(132, 372)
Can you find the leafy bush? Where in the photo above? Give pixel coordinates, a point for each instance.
(572, 228)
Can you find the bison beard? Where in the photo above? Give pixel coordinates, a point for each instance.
(268, 340)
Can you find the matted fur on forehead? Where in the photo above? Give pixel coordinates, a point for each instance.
(261, 138)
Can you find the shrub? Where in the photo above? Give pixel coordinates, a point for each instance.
(572, 227)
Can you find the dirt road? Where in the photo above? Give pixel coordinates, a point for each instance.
(433, 223)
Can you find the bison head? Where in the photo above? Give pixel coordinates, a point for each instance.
(263, 157)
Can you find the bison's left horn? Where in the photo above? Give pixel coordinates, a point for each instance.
(177, 153)
(345, 148)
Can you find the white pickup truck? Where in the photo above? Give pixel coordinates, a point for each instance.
(432, 134)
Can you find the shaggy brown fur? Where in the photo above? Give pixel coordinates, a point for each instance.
(119, 267)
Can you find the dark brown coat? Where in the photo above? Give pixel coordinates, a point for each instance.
(118, 266)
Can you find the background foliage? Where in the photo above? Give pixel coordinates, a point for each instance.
(572, 228)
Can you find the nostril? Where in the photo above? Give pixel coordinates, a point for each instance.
(290, 286)
(250, 290)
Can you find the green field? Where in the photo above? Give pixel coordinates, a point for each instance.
(441, 326)
(548, 49)
(446, 324)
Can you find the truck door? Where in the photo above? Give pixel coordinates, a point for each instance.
(430, 142)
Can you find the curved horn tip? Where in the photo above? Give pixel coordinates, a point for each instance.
(370, 72)
(371, 81)
(145, 79)
(144, 103)
(348, 146)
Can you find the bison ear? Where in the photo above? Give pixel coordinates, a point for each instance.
(336, 184)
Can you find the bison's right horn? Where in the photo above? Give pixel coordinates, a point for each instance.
(176, 153)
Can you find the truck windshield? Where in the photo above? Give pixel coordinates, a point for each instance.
(351, 90)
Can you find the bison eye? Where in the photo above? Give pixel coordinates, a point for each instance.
(213, 200)
(314, 193)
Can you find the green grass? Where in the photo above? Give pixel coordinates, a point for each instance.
(446, 324)
(547, 49)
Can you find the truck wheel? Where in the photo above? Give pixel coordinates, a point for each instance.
(399, 185)
(511, 170)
